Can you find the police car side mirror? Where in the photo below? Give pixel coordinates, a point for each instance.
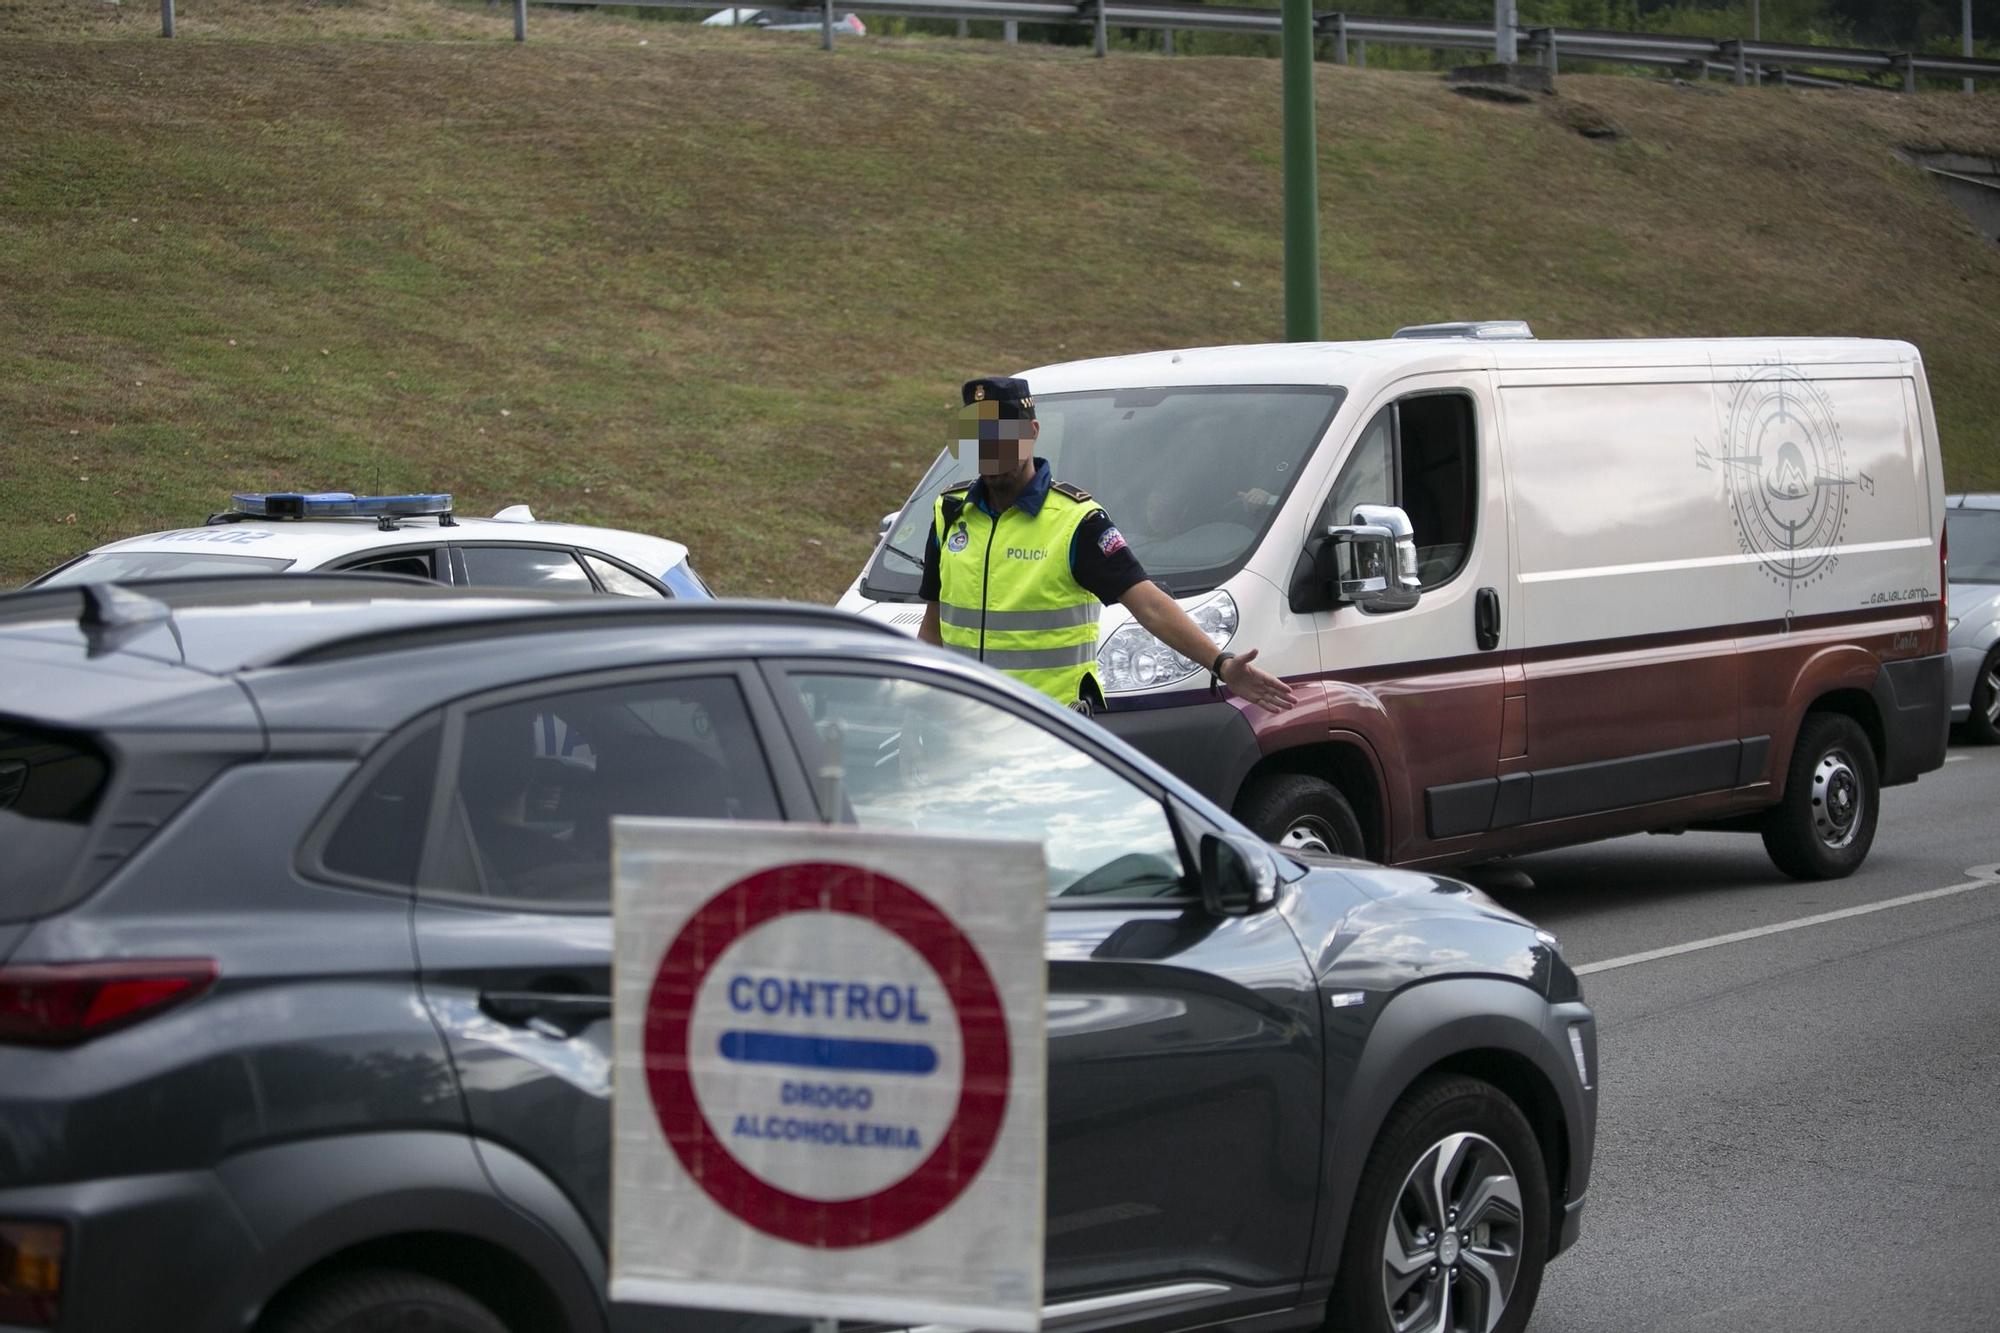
(1238, 876)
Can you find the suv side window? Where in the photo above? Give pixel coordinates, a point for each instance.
(523, 567)
(538, 780)
(908, 755)
(1418, 454)
(381, 835)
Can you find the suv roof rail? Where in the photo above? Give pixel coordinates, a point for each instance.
(572, 612)
(1486, 330)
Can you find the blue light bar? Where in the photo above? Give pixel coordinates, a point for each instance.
(337, 504)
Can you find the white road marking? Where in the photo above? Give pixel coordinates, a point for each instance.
(1954, 759)
(1984, 877)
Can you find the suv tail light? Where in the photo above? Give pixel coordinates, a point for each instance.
(60, 1004)
(31, 1272)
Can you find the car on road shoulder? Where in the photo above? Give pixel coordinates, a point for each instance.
(1972, 523)
(785, 20)
(306, 947)
(413, 535)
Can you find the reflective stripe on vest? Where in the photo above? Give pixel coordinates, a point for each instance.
(1065, 617)
(1007, 596)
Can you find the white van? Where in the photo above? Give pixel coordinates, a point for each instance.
(1528, 593)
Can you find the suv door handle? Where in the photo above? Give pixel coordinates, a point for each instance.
(1486, 619)
(552, 1013)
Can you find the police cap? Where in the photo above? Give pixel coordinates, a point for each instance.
(1009, 396)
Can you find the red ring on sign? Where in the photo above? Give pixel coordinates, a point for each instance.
(953, 1163)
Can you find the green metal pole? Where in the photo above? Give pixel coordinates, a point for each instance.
(1301, 178)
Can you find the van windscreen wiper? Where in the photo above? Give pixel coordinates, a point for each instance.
(893, 549)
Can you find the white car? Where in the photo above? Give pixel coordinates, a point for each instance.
(415, 535)
(784, 20)
(1974, 524)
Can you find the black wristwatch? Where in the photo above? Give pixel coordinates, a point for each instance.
(1215, 670)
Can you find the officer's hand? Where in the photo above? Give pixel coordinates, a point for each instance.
(1255, 498)
(1257, 685)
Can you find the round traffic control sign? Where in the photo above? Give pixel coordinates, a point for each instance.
(827, 1055)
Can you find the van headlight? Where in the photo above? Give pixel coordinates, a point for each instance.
(1132, 659)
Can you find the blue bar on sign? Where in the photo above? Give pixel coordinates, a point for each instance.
(879, 1057)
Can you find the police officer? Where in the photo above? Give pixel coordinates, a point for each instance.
(1018, 564)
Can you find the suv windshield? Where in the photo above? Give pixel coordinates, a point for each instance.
(1974, 535)
(121, 566)
(1191, 476)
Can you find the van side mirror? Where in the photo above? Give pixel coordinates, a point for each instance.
(1371, 562)
(888, 521)
(1238, 876)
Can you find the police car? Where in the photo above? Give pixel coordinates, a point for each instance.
(412, 535)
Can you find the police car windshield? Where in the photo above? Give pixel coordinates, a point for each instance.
(1193, 476)
(119, 566)
(1974, 535)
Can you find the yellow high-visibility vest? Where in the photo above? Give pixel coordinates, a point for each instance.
(1007, 596)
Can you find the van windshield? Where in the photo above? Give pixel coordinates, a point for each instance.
(1193, 477)
(1974, 535)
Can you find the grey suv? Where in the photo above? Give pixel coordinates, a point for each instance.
(305, 950)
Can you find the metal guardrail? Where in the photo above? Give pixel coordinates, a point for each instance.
(1740, 60)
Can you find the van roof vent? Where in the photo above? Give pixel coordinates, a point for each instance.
(1490, 330)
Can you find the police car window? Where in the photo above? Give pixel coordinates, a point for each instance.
(524, 567)
(119, 566)
(619, 580)
(539, 780)
(899, 754)
(381, 836)
(416, 564)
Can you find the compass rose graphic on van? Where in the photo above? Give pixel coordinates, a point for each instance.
(1785, 473)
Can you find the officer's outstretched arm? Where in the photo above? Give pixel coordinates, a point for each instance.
(928, 630)
(1164, 620)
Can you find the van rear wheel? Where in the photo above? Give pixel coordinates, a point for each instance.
(1302, 812)
(1825, 824)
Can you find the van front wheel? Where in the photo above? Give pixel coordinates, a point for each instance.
(1301, 812)
(1823, 827)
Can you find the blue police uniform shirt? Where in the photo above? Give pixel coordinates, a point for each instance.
(1099, 559)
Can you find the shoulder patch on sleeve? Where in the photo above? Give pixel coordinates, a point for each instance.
(1073, 492)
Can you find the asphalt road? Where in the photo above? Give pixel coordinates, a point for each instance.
(1798, 1131)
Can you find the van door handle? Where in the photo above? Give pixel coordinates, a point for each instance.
(551, 1013)
(1486, 619)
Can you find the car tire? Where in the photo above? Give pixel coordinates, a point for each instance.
(1982, 724)
(1299, 811)
(1403, 1266)
(380, 1300)
(1824, 825)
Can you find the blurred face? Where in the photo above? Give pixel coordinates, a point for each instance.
(1004, 444)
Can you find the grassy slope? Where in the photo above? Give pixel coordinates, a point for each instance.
(723, 287)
